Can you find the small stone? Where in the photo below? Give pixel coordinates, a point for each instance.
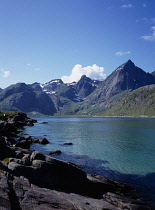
(69, 143)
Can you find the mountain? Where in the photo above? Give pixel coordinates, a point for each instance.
(140, 102)
(23, 98)
(86, 97)
(85, 86)
(117, 85)
(125, 77)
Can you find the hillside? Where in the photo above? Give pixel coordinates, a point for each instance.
(140, 102)
(21, 97)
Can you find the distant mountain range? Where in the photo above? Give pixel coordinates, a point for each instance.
(127, 91)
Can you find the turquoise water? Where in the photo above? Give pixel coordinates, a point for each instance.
(119, 148)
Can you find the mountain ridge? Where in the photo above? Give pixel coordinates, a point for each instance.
(86, 97)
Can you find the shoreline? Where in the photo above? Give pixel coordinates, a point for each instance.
(95, 116)
(47, 172)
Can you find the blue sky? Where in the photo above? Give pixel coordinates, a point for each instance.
(41, 40)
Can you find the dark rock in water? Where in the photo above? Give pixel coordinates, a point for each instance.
(21, 138)
(68, 143)
(57, 152)
(35, 140)
(43, 141)
(43, 122)
(29, 124)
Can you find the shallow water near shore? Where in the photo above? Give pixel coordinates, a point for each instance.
(118, 148)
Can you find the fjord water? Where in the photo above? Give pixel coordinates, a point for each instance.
(119, 148)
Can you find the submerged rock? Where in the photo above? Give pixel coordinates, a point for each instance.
(57, 152)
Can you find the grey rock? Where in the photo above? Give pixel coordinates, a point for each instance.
(43, 141)
(16, 160)
(123, 202)
(57, 152)
(35, 140)
(23, 144)
(5, 150)
(26, 160)
(37, 156)
(4, 193)
(21, 170)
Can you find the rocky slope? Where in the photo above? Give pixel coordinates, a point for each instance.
(126, 77)
(140, 102)
(32, 180)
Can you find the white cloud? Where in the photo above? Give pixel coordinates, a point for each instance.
(5, 74)
(121, 53)
(150, 37)
(127, 6)
(28, 64)
(93, 72)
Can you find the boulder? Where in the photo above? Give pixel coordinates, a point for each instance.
(23, 144)
(21, 170)
(20, 152)
(43, 141)
(16, 160)
(57, 152)
(43, 122)
(5, 151)
(26, 160)
(35, 140)
(29, 123)
(37, 156)
(58, 174)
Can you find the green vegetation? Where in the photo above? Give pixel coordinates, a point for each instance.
(6, 160)
(140, 102)
(8, 114)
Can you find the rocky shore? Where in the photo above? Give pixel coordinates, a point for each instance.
(32, 180)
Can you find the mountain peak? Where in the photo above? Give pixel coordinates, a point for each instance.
(127, 65)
